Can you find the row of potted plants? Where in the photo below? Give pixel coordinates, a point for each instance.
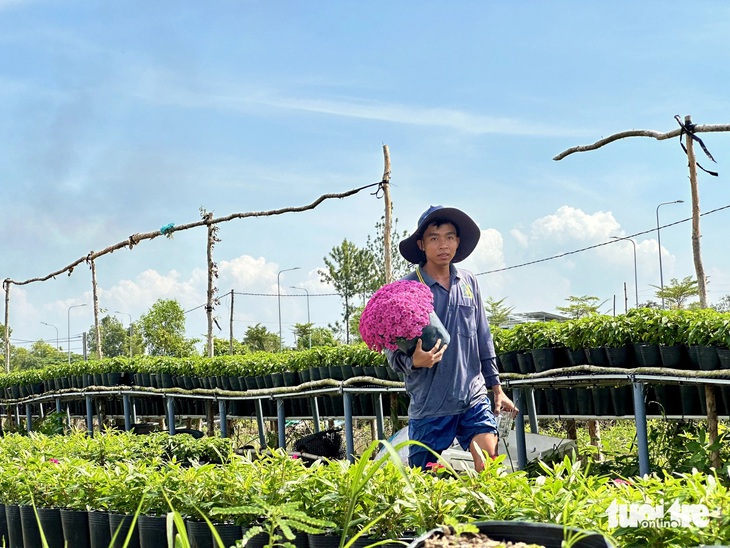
(258, 370)
(375, 499)
(633, 339)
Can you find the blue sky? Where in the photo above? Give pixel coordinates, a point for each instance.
(122, 117)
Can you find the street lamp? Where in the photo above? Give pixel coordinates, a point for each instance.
(131, 327)
(636, 282)
(68, 324)
(56, 328)
(278, 294)
(659, 243)
(308, 320)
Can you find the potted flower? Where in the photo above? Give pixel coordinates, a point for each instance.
(398, 314)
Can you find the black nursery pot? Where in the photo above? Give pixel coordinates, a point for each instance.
(430, 335)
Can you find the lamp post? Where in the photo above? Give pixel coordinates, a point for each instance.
(659, 244)
(636, 280)
(308, 320)
(68, 324)
(278, 295)
(56, 328)
(130, 329)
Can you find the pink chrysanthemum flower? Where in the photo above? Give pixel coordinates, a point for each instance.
(398, 310)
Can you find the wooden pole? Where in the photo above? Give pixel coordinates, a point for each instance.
(97, 327)
(594, 433)
(211, 275)
(6, 287)
(388, 208)
(230, 328)
(712, 429)
(697, 254)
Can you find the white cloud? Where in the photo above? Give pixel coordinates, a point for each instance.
(520, 237)
(570, 224)
(489, 253)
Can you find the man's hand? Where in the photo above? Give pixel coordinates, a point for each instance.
(501, 401)
(421, 358)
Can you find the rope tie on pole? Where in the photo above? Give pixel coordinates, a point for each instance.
(689, 130)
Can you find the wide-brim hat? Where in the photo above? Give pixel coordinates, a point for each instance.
(468, 230)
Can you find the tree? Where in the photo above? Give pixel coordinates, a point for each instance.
(163, 330)
(723, 305)
(355, 324)
(677, 292)
(579, 307)
(497, 312)
(41, 354)
(258, 338)
(114, 338)
(349, 270)
(222, 347)
(375, 246)
(306, 333)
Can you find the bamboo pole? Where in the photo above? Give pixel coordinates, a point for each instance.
(97, 327)
(6, 287)
(212, 274)
(388, 209)
(696, 252)
(230, 328)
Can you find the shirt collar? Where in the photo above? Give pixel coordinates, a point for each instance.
(429, 281)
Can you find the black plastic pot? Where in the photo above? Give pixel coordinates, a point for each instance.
(434, 331)
(199, 535)
(3, 526)
(549, 535)
(543, 358)
(75, 525)
(618, 356)
(123, 523)
(602, 402)
(508, 361)
(99, 536)
(29, 522)
(50, 524)
(671, 356)
(152, 531)
(15, 527)
(229, 533)
(526, 363)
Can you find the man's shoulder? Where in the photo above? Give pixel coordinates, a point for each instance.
(410, 276)
(464, 274)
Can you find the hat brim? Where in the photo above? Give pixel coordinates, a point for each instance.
(469, 235)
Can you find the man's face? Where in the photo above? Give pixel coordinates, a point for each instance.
(439, 243)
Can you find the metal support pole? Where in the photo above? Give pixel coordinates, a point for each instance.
(315, 413)
(127, 417)
(224, 418)
(641, 436)
(28, 417)
(281, 422)
(134, 411)
(58, 405)
(379, 421)
(260, 423)
(531, 410)
(349, 440)
(520, 429)
(90, 416)
(170, 415)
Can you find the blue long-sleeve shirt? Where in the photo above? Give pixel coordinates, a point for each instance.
(468, 366)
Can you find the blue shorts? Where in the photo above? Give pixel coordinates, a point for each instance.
(438, 433)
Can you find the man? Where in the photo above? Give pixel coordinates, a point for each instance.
(448, 384)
